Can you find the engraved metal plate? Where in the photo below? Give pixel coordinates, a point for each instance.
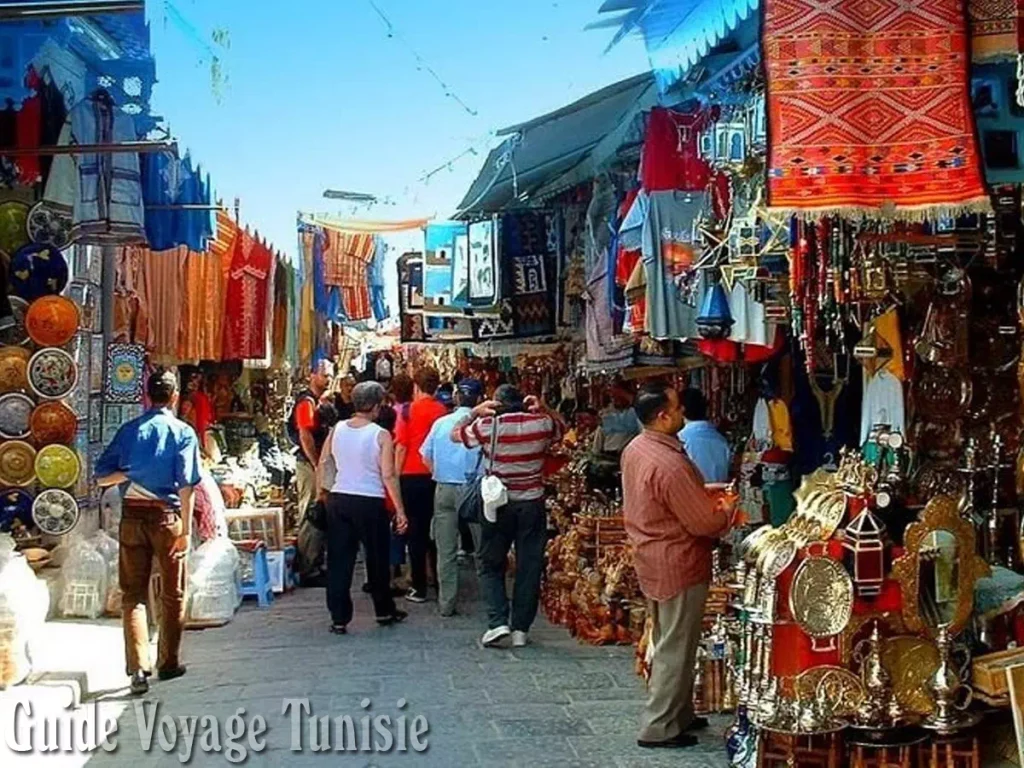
(821, 597)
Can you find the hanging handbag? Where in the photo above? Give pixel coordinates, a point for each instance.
(470, 505)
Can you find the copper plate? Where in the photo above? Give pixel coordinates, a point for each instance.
(52, 423)
(17, 463)
(52, 321)
(14, 369)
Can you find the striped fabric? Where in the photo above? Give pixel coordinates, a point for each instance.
(523, 443)
(670, 520)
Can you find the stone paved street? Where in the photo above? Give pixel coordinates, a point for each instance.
(555, 703)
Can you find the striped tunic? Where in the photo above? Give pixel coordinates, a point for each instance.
(523, 443)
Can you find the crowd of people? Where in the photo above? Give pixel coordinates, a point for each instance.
(393, 471)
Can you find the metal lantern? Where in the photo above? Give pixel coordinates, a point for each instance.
(715, 321)
(864, 553)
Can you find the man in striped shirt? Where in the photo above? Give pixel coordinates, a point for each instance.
(672, 524)
(525, 431)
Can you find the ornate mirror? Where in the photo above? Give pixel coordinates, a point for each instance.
(938, 569)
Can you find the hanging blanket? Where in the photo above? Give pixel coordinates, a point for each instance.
(997, 29)
(869, 110)
(441, 241)
(347, 257)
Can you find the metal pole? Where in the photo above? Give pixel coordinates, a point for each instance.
(94, 149)
(50, 8)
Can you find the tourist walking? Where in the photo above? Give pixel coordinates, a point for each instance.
(525, 430)
(452, 465)
(672, 525)
(357, 469)
(155, 458)
(307, 430)
(417, 484)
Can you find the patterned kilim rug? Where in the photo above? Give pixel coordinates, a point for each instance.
(869, 109)
(997, 29)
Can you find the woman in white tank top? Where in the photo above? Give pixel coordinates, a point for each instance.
(356, 470)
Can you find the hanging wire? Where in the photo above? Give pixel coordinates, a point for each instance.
(393, 33)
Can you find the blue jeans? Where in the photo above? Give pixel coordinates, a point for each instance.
(524, 524)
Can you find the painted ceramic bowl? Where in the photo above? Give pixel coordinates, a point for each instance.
(52, 321)
(38, 270)
(55, 512)
(15, 415)
(13, 229)
(14, 369)
(48, 225)
(57, 466)
(53, 423)
(17, 463)
(15, 504)
(52, 373)
(16, 335)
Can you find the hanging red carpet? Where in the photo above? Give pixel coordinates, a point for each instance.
(869, 109)
(997, 29)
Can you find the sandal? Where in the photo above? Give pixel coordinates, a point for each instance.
(338, 629)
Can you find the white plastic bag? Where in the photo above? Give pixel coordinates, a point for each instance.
(24, 603)
(84, 582)
(109, 549)
(494, 495)
(213, 582)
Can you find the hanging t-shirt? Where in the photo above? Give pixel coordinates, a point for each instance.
(749, 325)
(245, 327)
(671, 250)
(671, 155)
(882, 405)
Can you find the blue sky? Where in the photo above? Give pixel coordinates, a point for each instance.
(318, 96)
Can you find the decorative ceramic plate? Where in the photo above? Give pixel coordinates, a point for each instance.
(52, 321)
(52, 373)
(55, 512)
(14, 369)
(38, 270)
(15, 504)
(48, 226)
(821, 597)
(16, 335)
(15, 415)
(57, 466)
(17, 463)
(13, 225)
(52, 423)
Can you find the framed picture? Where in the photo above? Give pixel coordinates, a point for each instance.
(95, 419)
(1015, 682)
(986, 96)
(96, 358)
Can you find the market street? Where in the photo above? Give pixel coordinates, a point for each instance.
(555, 703)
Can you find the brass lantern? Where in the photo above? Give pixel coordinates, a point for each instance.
(864, 553)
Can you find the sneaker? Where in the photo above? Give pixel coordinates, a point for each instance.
(520, 639)
(395, 618)
(171, 673)
(493, 637)
(140, 683)
(415, 596)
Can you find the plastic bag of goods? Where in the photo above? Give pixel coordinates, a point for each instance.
(213, 582)
(24, 603)
(84, 582)
(109, 549)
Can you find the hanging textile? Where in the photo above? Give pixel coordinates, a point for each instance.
(526, 250)
(306, 312)
(359, 225)
(410, 287)
(346, 262)
(376, 279)
(484, 281)
(246, 294)
(163, 280)
(869, 113)
(101, 192)
(671, 157)
(441, 241)
(131, 314)
(997, 29)
(279, 332)
(203, 310)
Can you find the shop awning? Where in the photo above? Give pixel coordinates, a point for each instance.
(538, 152)
(363, 226)
(676, 33)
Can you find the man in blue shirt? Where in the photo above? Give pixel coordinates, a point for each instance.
(156, 459)
(452, 465)
(703, 443)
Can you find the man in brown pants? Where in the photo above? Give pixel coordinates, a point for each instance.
(672, 524)
(156, 459)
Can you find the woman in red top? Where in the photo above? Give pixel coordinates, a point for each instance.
(415, 478)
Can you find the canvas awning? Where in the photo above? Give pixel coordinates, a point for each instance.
(570, 142)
